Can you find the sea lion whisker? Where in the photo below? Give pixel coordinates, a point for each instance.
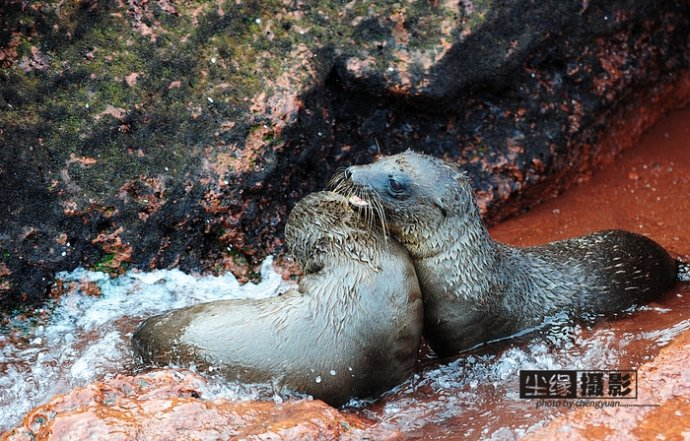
(352, 193)
(377, 208)
(368, 209)
(334, 185)
(477, 289)
(338, 187)
(337, 179)
(362, 280)
(371, 210)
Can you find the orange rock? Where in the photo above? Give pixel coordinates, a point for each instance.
(166, 405)
(663, 383)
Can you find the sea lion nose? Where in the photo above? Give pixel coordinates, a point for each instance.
(348, 173)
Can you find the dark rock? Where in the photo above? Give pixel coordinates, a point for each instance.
(180, 135)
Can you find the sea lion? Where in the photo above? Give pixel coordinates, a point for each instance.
(476, 289)
(351, 329)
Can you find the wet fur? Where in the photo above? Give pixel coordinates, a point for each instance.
(351, 329)
(476, 289)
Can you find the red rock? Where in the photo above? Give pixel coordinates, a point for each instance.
(166, 405)
(665, 382)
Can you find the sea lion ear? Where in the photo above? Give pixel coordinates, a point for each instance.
(313, 265)
(440, 203)
(457, 173)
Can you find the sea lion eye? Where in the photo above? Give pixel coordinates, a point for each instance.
(394, 185)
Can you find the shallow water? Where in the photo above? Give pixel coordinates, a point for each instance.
(647, 190)
(477, 395)
(82, 337)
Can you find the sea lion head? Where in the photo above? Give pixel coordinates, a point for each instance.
(415, 194)
(324, 222)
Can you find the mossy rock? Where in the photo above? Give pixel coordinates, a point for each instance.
(179, 134)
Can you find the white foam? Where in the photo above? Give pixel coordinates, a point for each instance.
(82, 338)
(455, 384)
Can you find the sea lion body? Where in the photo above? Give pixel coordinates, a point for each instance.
(351, 329)
(476, 289)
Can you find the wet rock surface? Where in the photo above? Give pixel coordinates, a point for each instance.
(472, 397)
(179, 134)
(167, 404)
(661, 412)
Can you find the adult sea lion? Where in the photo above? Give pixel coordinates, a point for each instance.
(476, 289)
(351, 329)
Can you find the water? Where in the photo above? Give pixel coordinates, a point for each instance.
(82, 338)
(477, 395)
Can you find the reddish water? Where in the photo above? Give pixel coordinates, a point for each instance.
(646, 190)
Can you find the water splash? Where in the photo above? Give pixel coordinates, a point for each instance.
(472, 395)
(83, 338)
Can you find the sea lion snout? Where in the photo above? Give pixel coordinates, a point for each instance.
(476, 289)
(358, 176)
(350, 329)
(369, 180)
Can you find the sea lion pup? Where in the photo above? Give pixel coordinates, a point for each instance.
(475, 289)
(351, 329)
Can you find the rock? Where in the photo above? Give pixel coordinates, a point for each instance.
(159, 134)
(167, 404)
(663, 383)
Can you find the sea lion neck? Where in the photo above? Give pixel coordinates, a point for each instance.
(464, 240)
(460, 226)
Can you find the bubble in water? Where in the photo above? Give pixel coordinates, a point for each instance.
(80, 338)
